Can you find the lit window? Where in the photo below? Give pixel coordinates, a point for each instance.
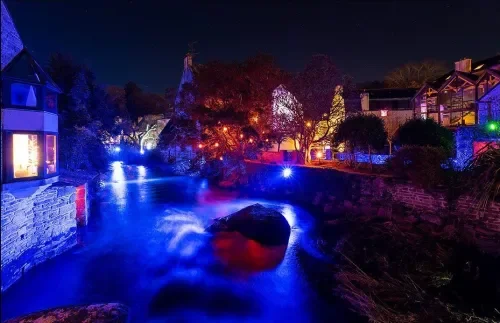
(423, 116)
(51, 153)
(423, 107)
(25, 151)
(383, 113)
(23, 95)
(478, 67)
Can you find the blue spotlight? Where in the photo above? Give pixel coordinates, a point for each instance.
(117, 149)
(287, 172)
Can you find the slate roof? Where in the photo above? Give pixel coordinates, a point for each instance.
(386, 94)
(476, 69)
(11, 43)
(24, 67)
(17, 61)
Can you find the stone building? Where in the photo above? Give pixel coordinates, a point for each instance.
(38, 213)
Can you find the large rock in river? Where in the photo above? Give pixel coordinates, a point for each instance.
(96, 313)
(255, 222)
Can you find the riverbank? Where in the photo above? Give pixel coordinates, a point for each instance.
(401, 252)
(395, 270)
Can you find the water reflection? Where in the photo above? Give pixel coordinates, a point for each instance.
(241, 254)
(146, 246)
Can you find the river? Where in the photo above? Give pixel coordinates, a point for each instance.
(145, 246)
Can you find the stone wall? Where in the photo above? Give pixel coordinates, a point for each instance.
(336, 192)
(36, 226)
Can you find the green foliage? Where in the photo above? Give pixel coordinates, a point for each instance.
(422, 165)
(361, 132)
(419, 132)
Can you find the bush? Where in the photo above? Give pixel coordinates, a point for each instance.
(419, 132)
(483, 176)
(81, 149)
(425, 166)
(390, 272)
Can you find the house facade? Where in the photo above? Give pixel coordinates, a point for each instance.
(394, 106)
(38, 212)
(461, 97)
(29, 114)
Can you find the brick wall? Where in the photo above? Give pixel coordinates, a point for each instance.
(35, 228)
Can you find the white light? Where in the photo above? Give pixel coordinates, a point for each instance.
(319, 154)
(287, 172)
(383, 113)
(142, 151)
(149, 146)
(117, 149)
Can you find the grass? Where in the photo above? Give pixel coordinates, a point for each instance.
(389, 274)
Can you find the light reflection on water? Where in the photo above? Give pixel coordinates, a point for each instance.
(146, 246)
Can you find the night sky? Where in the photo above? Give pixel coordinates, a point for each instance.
(145, 40)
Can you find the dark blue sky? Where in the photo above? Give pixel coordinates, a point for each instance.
(145, 40)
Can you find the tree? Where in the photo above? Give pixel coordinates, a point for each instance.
(84, 115)
(231, 111)
(419, 132)
(415, 75)
(392, 125)
(361, 131)
(133, 96)
(313, 100)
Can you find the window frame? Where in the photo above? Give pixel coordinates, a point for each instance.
(8, 155)
(37, 88)
(45, 134)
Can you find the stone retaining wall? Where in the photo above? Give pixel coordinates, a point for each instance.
(36, 226)
(336, 192)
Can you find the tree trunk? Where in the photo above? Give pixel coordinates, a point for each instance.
(279, 144)
(370, 156)
(390, 147)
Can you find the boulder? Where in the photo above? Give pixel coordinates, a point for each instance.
(96, 313)
(257, 223)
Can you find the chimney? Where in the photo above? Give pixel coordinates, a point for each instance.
(365, 101)
(188, 61)
(464, 65)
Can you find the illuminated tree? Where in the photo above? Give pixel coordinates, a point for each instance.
(231, 111)
(312, 104)
(414, 75)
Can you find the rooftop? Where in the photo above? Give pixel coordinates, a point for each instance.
(394, 93)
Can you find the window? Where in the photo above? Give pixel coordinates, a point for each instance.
(383, 113)
(25, 155)
(23, 95)
(51, 153)
(51, 101)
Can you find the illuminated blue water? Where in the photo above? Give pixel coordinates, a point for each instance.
(145, 246)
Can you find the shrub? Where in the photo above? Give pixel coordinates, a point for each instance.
(425, 166)
(419, 132)
(365, 132)
(483, 176)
